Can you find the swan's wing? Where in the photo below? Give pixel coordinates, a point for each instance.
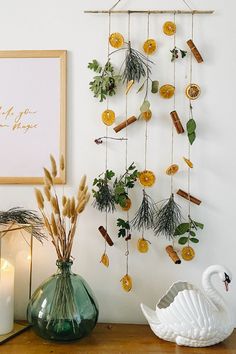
(150, 315)
(169, 297)
(190, 311)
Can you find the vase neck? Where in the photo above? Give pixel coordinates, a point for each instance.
(64, 266)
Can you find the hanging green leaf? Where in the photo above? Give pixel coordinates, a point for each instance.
(141, 87)
(198, 224)
(155, 86)
(191, 126)
(145, 106)
(183, 240)
(191, 137)
(194, 240)
(181, 229)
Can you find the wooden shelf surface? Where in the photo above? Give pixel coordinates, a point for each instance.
(112, 339)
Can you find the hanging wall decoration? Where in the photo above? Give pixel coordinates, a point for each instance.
(111, 190)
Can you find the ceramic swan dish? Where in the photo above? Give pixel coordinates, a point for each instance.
(189, 317)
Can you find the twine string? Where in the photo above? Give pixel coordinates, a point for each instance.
(172, 127)
(185, 2)
(146, 97)
(126, 158)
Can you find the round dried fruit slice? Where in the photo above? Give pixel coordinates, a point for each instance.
(169, 28)
(192, 91)
(167, 91)
(127, 205)
(147, 178)
(150, 46)
(108, 117)
(116, 40)
(172, 170)
(147, 115)
(105, 260)
(142, 245)
(188, 253)
(126, 282)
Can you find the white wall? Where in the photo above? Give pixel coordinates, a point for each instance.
(61, 24)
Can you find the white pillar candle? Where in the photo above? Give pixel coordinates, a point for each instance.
(6, 297)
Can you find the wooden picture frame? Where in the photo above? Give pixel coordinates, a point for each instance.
(32, 114)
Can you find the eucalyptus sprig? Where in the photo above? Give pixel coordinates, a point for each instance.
(176, 52)
(190, 229)
(103, 194)
(123, 184)
(104, 84)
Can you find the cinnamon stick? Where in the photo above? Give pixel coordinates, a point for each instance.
(104, 234)
(125, 124)
(195, 51)
(189, 197)
(177, 123)
(173, 255)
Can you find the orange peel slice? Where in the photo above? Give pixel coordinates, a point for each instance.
(193, 91)
(108, 117)
(105, 260)
(169, 28)
(150, 46)
(188, 253)
(147, 115)
(116, 40)
(167, 91)
(126, 282)
(128, 204)
(188, 162)
(172, 170)
(142, 245)
(147, 178)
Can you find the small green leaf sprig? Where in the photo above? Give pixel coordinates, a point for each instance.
(191, 127)
(123, 184)
(103, 194)
(124, 228)
(105, 84)
(176, 52)
(189, 228)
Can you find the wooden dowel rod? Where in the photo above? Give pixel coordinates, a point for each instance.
(179, 12)
(190, 197)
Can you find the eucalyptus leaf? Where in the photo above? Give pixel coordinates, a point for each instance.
(155, 86)
(191, 126)
(191, 137)
(183, 240)
(194, 240)
(192, 233)
(145, 106)
(141, 87)
(181, 229)
(198, 224)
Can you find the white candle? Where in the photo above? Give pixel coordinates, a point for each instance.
(6, 297)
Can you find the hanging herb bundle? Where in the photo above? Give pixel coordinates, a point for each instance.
(189, 228)
(104, 84)
(104, 198)
(176, 52)
(123, 184)
(124, 228)
(144, 217)
(167, 218)
(136, 65)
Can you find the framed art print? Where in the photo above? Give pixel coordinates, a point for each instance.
(32, 114)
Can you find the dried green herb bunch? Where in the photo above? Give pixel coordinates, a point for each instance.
(104, 197)
(136, 65)
(190, 229)
(167, 218)
(104, 84)
(20, 217)
(176, 52)
(124, 228)
(144, 217)
(123, 184)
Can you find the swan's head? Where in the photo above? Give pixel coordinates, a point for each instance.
(224, 274)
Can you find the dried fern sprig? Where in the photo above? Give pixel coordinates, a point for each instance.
(144, 217)
(39, 198)
(167, 218)
(53, 166)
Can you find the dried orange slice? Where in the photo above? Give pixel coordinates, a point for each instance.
(147, 115)
(167, 91)
(172, 170)
(147, 178)
(142, 245)
(108, 117)
(192, 91)
(126, 282)
(105, 260)
(188, 253)
(150, 46)
(116, 40)
(169, 28)
(188, 162)
(128, 204)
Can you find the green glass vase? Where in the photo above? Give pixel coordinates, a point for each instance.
(63, 308)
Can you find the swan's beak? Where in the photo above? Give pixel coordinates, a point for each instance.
(226, 285)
